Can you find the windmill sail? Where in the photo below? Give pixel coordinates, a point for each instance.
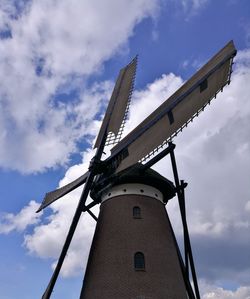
(52, 196)
(114, 121)
(117, 110)
(175, 113)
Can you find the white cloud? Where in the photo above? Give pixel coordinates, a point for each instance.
(10, 222)
(47, 239)
(7, 10)
(247, 206)
(55, 46)
(47, 140)
(220, 293)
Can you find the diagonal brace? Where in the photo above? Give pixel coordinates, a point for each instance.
(187, 245)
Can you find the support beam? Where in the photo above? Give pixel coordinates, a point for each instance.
(81, 206)
(158, 157)
(188, 285)
(92, 215)
(187, 244)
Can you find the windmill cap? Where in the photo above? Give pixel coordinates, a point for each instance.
(136, 174)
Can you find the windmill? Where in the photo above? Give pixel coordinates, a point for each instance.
(124, 182)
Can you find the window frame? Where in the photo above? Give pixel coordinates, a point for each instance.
(139, 261)
(137, 212)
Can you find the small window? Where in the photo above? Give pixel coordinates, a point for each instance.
(136, 212)
(203, 85)
(170, 117)
(139, 261)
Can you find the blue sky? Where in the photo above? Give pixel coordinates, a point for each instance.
(58, 64)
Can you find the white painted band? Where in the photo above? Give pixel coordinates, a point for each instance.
(133, 189)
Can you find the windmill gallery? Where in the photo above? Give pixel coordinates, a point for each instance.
(134, 253)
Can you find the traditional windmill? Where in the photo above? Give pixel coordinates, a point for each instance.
(134, 253)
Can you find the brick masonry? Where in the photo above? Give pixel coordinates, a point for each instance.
(110, 272)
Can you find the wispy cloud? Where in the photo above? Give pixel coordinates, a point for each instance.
(19, 222)
(192, 7)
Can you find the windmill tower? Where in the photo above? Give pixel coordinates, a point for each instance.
(134, 253)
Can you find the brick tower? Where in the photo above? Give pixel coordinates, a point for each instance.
(133, 253)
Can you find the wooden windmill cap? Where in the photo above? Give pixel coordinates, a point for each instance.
(136, 175)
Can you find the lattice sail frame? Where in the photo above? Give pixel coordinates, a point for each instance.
(118, 107)
(113, 139)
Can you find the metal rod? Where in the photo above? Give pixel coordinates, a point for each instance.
(188, 247)
(185, 246)
(183, 268)
(92, 215)
(89, 206)
(191, 261)
(187, 243)
(158, 157)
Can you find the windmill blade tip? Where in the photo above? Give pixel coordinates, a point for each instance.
(40, 208)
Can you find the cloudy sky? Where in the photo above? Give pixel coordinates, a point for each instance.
(58, 64)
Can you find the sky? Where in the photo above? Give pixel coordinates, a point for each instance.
(58, 64)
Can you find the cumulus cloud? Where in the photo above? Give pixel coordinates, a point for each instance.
(220, 293)
(10, 222)
(51, 49)
(48, 238)
(8, 10)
